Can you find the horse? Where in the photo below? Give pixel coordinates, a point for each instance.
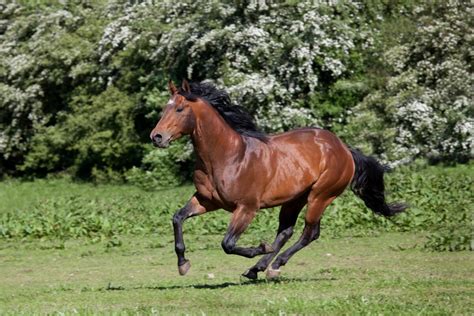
(241, 169)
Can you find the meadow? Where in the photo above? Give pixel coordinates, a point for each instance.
(86, 201)
(71, 247)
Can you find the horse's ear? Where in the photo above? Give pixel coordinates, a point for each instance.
(185, 86)
(172, 87)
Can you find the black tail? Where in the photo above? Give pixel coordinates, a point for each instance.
(368, 185)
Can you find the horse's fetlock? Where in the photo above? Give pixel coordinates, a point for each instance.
(179, 248)
(228, 246)
(277, 264)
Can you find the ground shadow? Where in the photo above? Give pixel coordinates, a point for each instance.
(215, 286)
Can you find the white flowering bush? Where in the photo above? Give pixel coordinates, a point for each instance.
(290, 64)
(44, 54)
(270, 57)
(426, 107)
(278, 55)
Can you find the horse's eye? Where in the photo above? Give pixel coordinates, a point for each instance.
(179, 109)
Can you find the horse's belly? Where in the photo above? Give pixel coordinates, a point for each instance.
(279, 198)
(287, 186)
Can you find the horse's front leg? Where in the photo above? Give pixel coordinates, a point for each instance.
(195, 206)
(241, 219)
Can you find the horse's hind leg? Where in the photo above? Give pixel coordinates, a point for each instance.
(311, 231)
(288, 215)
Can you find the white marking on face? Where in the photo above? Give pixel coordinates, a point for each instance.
(170, 102)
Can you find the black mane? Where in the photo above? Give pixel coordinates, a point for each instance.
(236, 116)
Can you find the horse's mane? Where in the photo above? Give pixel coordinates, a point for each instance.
(236, 116)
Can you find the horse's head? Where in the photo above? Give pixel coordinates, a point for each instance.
(177, 119)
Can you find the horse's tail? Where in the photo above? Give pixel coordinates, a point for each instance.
(368, 184)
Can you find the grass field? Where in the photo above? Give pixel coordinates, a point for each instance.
(366, 275)
(71, 248)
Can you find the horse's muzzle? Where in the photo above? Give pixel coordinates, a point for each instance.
(161, 145)
(161, 140)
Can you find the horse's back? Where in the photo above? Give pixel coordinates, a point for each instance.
(320, 144)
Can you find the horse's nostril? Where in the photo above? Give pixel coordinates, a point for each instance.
(158, 137)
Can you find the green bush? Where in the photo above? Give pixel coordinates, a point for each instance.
(96, 137)
(69, 70)
(425, 107)
(45, 53)
(163, 168)
(451, 238)
(82, 83)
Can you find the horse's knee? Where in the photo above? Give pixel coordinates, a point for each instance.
(178, 217)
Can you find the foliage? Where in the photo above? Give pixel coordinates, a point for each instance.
(91, 211)
(96, 137)
(425, 109)
(437, 197)
(162, 168)
(290, 64)
(446, 240)
(44, 55)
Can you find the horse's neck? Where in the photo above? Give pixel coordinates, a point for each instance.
(215, 142)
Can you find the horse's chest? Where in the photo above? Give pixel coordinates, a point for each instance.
(207, 187)
(203, 184)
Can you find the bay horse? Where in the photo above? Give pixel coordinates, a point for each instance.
(242, 170)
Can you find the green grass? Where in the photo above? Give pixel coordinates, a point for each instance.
(365, 275)
(70, 247)
(440, 203)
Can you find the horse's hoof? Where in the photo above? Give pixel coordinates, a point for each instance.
(266, 248)
(183, 269)
(273, 274)
(250, 274)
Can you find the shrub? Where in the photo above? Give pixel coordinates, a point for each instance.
(450, 238)
(163, 168)
(391, 77)
(59, 59)
(44, 53)
(97, 135)
(440, 209)
(425, 109)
